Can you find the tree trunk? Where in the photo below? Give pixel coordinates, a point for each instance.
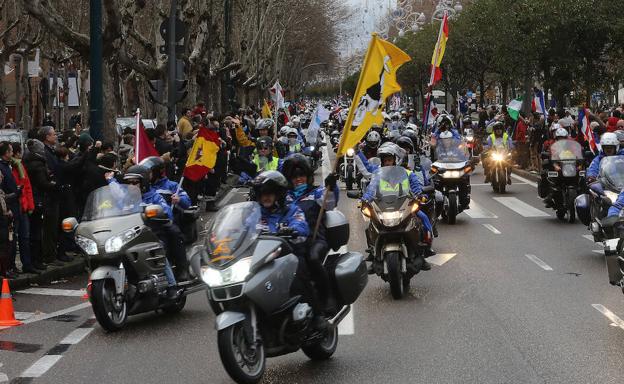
(482, 91)
(504, 91)
(3, 98)
(84, 95)
(26, 112)
(110, 109)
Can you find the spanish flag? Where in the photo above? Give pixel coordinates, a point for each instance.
(203, 155)
(266, 111)
(377, 83)
(438, 52)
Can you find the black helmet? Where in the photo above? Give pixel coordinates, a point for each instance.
(444, 120)
(154, 164)
(270, 182)
(467, 120)
(138, 172)
(405, 143)
(412, 135)
(264, 142)
(297, 165)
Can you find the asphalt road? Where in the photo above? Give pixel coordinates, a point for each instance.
(488, 313)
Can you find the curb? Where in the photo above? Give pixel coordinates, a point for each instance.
(525, 174)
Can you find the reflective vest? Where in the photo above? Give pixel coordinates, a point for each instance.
(385, 186)
(505, 140)
(270, 166)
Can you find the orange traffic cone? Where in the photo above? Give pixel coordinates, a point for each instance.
(7, 316)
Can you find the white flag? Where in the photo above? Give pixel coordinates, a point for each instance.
(277, 95)
(321, 114)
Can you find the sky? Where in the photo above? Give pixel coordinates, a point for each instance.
(366, 14)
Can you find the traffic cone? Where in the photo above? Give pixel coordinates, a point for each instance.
(7, 315)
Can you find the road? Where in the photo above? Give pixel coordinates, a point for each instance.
(515, 297)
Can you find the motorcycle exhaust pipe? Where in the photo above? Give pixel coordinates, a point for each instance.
(340, 315)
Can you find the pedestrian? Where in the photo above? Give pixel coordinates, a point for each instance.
(184, 124)
(5, 216)
(522, 145)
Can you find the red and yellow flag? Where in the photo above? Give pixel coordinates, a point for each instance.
(203, 155)
(438, 52)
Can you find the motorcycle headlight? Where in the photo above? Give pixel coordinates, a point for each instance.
(391, 219)
(87, 245)
(498, 156)
(114, 244)
(612, 196)
(350, 152)
(568, 170)
(469, 138)
(311, 148)
(452, 174)
(233, 274)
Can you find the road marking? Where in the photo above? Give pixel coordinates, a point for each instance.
(41, 366)
(520, 207)
(539, 262)
(54, 292)
(489, 184)
(347, 325)
(441, 258)
(76, 336)
(615, 321)
(3, 376)
(23, 315)
(44, 316)
(491, 228)
(227, 198)
(526, 181)
(589, 237)
(599, 251)
(478, 212)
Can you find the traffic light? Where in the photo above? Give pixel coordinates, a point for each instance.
(181, 82)
(156, 92)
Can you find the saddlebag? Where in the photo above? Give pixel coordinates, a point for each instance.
(582, 208)
(613, 267)
(350, 276)
(337, 233)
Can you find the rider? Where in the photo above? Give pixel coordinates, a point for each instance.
(543, 185)
(369, 148)
(391, 154)
(610, 146)
(161, 182)
(294, 144)
(445, 123)
(498, 139)
(305, 195)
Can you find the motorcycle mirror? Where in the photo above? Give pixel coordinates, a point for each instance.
(353, 194)
(153, 211)
(69, 224)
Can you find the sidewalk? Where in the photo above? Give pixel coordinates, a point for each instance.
(78, 266)
(526, 174)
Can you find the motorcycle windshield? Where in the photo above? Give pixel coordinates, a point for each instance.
(451, 150)
(612, 172)
(392, 185)
(234, 228)
(112, 200)
(563, 150)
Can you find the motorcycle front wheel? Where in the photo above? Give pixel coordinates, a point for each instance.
(325, 348)
(452, 210)
(110, 312)
(242, 360)
(395, 277)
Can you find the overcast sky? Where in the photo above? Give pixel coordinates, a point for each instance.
(366, 15)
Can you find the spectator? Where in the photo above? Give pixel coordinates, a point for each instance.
(522, 145)
(184, 124)
(5, 216)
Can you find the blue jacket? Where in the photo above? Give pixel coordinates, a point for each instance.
(165, 184)
(414, 183)
(594, 167)
(290, 216)
(370, 168)
(308, 203)
(617, 207)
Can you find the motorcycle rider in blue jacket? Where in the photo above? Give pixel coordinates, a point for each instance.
(445, 123)
(160, 182)
(610, 146)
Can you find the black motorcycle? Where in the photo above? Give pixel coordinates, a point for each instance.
(566, 177)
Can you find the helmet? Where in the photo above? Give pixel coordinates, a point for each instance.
(154, 164)
(610, 139)
(270, 182)
(373, 139)
(411, 134)
(395, 116)
(391, 149)
(467, 120)
(393, 135)
(561, 133)
(555, 126)
(405, 143)
(376, 128)
(297, 165)
(444, 120)
(283, 131)
(264, 142)
(292, 131)
(295, 121)
(498, 125)
(141, 173)
(620, 135)
(265, 124)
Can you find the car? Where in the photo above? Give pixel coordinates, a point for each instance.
(125, 122)
(14, 136)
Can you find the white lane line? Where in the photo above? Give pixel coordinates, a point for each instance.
(347, 325)
(441, 258)
(615, 321)
(3, 376)
(54, 292)
(44, 316)
(589, 237)
(520, 207)
(41, 366)
(76, 336)
(326, 170)
(599, 251)
(228, 197)
(526, 181)
(491, 228)
(539, 262)
(489, 184)
(476, 211)
(23, 315)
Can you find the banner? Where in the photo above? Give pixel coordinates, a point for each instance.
(377, 82)
(142, 146)
(583, 118)
(438, 52)
(266, 111)
(203, 155)
(320, 114)
(277, 94)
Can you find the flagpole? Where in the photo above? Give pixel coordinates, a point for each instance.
(433, 68)
(136, 136)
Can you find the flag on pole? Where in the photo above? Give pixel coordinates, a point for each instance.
(583, 118)
(538, 104)
(266, 111)
(277, 94)
(320, 114)
(514, 108)
(203, 155)
(438, 52)
(430, 112)
(377, 82)
(142, 146)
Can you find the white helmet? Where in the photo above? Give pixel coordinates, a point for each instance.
(284, 130)
(555, 126)
(389, 148)
(561, 132)
(373, 139)
(620, 135)
(295, 121)
(610, 139)
(292, 131)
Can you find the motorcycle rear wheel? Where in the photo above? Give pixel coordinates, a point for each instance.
(111, 315)
(325, 348)
(561, 214)
(244, 364)
(175, 307)
(395, 277)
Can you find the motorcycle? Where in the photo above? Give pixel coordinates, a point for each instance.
(254, 290)
(592, 208)
(499, 169)
(348, 172)
(567, 177)
(471, 142)
(186, 219)
(334, 139)
(451, 176)
(395, 234)
(125, 258)
(313, 150)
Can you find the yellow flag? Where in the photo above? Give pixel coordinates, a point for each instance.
(377, 82)
(266, 111)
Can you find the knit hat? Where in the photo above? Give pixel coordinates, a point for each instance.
(107, 161)
(35, 146)
(85, 139)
